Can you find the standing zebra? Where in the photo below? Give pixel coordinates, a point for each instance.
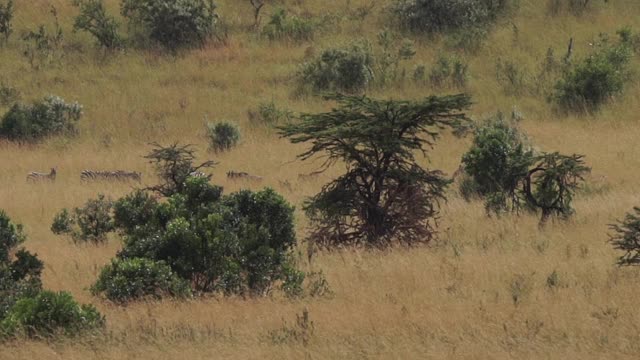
(198, 174)
(35, 176)
(241, 175)
(118, 175)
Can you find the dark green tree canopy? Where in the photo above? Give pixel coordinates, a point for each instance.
(626, 237)
(385, 195)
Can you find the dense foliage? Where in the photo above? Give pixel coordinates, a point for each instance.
(128, 279)
(234, 243)
(448, 15)
(237, 243)
(93, 18)
(173, 24)
(51, 116)
(499, 156)
(340, 69)
(89, 223)
(594, 81)
(27, 310)
(222, 136)
(502, 169)
(48, 314)
(19, 269)
(626, 237)
(385, 196)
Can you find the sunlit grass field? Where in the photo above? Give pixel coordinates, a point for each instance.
(481, 291)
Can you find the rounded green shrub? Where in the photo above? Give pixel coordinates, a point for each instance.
(346, 69)
(51, 116)
(595, 80)
(448, 15)
(130, 279)
(498, 158)
(90, 223)
(222, 136)
(48, 314)
(173, 24)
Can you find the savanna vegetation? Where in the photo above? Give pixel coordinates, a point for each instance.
(313, 179)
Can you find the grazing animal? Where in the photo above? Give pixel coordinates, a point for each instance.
(118, 175)
(198, 174)
(38, 176)
(310, 176)
(241, 175)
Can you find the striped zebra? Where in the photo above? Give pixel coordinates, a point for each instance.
(117, 175)
(310, 176)
(35, 176)
(241, 175)
(198, 174)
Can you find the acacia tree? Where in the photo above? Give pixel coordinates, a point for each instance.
(555, 178)
(385, 195)
(626, 237)
(174, 164)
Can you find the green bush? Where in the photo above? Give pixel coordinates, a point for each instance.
(504, 171)
(448, 71)
(26, 310)
(63, 223)
(131, 279)
(48, 314)
(270, 113)
(51, 116)
(94, 19)
(236, 243)
(173, 24)
(347, 69)
(222, 136)
(594, 81)
(496, 161)
(19, 269)
(231, 244)
(626, 237)
(93, 221)
(629, 38)
(282, 26)
(6, 16)
(135, 212)
(448, 15)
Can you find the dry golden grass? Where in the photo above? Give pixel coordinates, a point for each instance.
(451, 299)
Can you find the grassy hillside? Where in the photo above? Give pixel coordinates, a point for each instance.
(451, 299)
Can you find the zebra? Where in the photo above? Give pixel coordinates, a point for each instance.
(123, 175)
(241, 175)
(198, 174)
(38, 176)
(118, 175)
(310, 176)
